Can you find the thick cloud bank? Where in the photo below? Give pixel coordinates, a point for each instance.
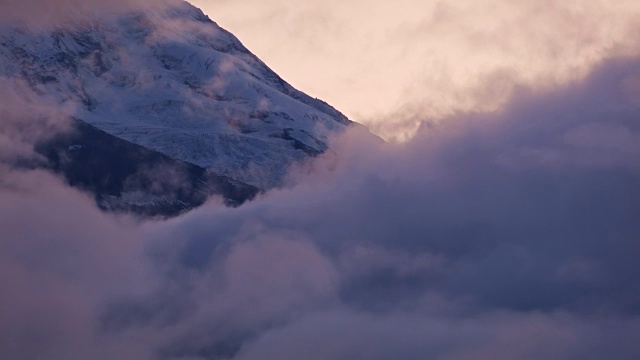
(497, 236)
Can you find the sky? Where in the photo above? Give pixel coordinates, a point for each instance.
(381, 61)
(503, 234)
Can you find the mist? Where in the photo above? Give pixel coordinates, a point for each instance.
(42, 13)
(509, 234)
(494, 232)
(377, 60)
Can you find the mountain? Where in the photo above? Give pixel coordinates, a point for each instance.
(168, 108)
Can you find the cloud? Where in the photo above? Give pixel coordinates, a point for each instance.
(376, 59)
(411, 335)
(455, 230)
(60, 260)
(38, 13)
(26, 118)
(505, 234)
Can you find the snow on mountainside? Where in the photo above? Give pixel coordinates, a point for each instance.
(174, 82)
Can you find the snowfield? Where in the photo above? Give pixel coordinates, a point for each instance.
(173, 81)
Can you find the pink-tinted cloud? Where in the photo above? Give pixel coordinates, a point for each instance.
(376, 59)
(510, 234)
(38, 13)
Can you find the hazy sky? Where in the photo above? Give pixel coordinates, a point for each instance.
(389, 63)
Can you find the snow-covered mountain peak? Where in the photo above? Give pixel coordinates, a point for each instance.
(171, 80)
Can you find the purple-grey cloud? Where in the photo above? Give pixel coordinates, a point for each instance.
(503, 235)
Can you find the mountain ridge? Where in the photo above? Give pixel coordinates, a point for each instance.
(171, 80)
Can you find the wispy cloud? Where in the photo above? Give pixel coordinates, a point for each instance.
(510, 234)
(38, 13)
(376, 59)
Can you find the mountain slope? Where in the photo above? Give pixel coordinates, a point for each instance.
(127, 177)
(172, 81)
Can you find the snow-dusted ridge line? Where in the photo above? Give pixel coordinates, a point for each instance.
(170, 79)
